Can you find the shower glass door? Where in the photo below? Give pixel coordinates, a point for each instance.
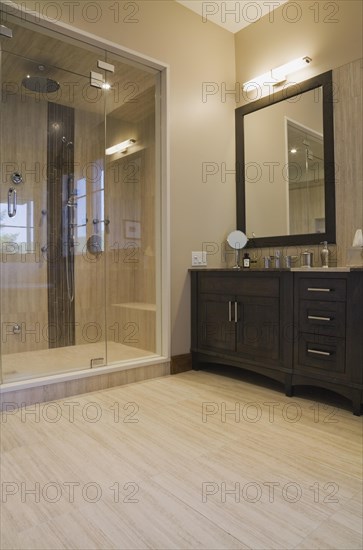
(80, 205)
(52, 192)
(133, 196)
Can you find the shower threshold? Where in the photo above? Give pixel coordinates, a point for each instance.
(34, 364)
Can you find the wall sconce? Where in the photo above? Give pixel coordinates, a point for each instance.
(120, 147)
(278, 75)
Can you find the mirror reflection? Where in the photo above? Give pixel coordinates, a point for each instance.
(282, 167)
(306, 208)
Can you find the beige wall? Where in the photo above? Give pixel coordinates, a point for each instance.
(202, 132)
(328, 32)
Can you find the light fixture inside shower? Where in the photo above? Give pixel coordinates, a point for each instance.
(120, 147)
(5, 31)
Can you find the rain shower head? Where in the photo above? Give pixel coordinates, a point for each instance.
(40, 84)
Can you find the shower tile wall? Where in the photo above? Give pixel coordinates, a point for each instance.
(126, 264)
(131, 262)
(130, 269)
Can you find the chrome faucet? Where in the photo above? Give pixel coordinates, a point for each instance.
(267, 261)
(277, 258)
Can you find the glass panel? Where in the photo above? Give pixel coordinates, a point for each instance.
(52, 280)
(81, 254)
(132, 195)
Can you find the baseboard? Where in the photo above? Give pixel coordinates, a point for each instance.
(181, 363)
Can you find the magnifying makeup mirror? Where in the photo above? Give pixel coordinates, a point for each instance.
(237, 240)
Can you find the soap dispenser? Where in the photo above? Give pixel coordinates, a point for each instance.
(324, 254)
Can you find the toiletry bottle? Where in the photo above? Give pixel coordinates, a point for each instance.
(277, 258)
(325, 254)
(246, 260)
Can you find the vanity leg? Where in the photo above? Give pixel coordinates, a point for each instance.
(289, 390)
(195, 362)
(357, 402)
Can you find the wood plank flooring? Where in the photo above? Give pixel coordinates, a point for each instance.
(194, 460)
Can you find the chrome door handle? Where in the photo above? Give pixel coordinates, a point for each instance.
(229, 311)
(315, 289)
(236, 312)
(318, 318)
(11, 202)
(318, 352)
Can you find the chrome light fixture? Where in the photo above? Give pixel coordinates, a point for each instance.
(278, 75)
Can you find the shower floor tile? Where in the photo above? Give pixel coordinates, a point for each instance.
(33, 364)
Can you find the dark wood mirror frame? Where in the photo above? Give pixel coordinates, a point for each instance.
(325, 81)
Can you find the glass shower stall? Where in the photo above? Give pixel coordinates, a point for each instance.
(80, 204)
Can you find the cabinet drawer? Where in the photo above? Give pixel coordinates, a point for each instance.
(242, 284)
(322, 317)
(322, 289)
(322, 352)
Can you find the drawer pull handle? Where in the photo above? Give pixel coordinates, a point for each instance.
(319, 352)
(315, 289)
(317, 318)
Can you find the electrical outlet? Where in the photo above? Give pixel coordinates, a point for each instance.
(199, 258)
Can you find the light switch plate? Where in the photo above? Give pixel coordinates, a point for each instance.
(199, 259)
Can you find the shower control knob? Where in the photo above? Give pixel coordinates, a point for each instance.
(16, 329)
(16, 178)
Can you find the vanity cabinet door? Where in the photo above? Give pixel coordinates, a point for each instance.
(258, 328)
(243, 319)
(216, 325)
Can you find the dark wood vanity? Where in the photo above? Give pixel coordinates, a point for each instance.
(298, 327)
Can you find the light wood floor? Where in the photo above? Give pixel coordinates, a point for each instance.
(154, 465)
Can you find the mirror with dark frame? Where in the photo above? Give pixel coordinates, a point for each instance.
(285, 166)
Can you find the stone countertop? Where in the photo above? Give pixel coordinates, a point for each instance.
(343, 269)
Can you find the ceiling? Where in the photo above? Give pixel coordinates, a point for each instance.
(68, 62)
(231, 15)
